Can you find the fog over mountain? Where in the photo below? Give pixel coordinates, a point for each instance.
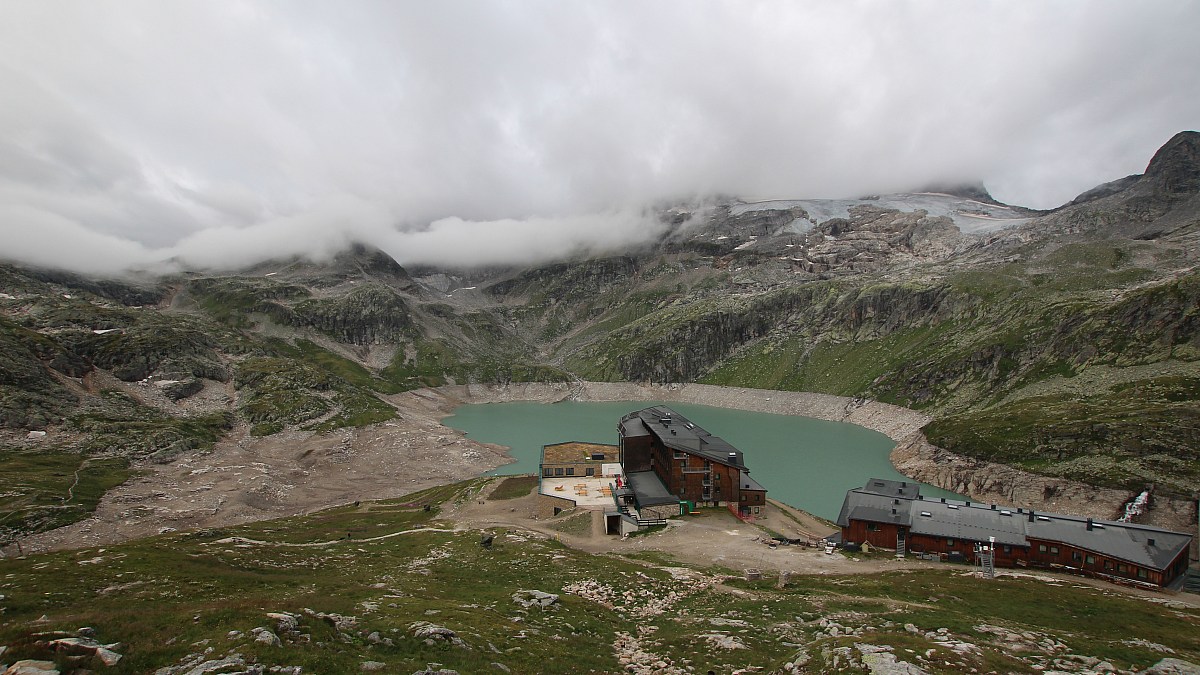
(217, 134)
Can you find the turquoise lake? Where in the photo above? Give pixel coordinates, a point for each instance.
(805, 462)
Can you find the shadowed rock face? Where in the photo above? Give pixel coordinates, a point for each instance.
(1174, 171)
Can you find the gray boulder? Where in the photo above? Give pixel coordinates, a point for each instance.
(532, 598)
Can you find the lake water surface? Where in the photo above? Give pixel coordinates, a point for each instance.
(805, 462)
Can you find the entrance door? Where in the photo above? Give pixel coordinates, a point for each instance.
(612, 523)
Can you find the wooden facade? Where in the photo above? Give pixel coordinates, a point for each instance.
(693, 465)
(886, 513)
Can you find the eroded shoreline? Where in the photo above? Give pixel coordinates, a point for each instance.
(246, 479)
(913, 455)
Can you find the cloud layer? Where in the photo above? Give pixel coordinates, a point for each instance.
(218, 134)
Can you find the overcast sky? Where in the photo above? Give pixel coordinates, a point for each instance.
(221, 133)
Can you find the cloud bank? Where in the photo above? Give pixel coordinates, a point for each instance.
(218, 134)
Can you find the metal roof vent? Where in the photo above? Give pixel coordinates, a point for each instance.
(927, 514)
(952, 506)
(1097, 526)
(1043, 518)
(1005, 512)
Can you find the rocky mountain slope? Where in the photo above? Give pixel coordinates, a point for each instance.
(1064, 342)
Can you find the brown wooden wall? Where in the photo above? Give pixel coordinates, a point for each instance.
(635, 453)
(859, 531)
(1055, 555)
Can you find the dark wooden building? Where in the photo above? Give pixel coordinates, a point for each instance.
(692, 464)
(894, 514)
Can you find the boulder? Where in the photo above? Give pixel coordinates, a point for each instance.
(532, 598)
(84, 646)
(32, 667)
(265, 637)
(432, 633)
(285, 622)
(1173, 667)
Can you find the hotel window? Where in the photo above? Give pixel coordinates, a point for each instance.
(1121, 567)
(591, 471)
(872, 527)
(1007, 548)
(949, 542)
(1142, 574)
(680, 455)
(547, 472)
(1054, 550)
(1091, 560)
(1108, 564)
(570, 471)
(558, 471)
(1041, 548)
(1076, 556)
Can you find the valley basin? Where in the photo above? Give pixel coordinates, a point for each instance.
(805, 462)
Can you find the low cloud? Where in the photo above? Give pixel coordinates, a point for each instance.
(139, 134)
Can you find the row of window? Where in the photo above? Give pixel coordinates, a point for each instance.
(569, 471)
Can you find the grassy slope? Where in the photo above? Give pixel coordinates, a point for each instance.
(43, 491)
(192, 589)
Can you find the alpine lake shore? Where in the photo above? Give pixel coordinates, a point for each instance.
(403, 584)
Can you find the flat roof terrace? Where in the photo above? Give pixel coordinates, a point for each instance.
(585, 491)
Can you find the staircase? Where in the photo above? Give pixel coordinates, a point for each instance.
(900, 545)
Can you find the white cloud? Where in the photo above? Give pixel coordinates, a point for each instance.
(221, 132)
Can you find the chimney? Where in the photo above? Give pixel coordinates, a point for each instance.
(943, 500)
(1031, 515)
(993, 507)
(1149, 542)
(967, 503)
(1089, 524)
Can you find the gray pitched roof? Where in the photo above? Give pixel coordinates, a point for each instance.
(678, 433)
(749, 483)
(648, 488)
(860, 505)
(883, 501)
(1126, 541)
(954, 519)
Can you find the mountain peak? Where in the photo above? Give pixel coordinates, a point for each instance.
(1175, 168)
(966, 190)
